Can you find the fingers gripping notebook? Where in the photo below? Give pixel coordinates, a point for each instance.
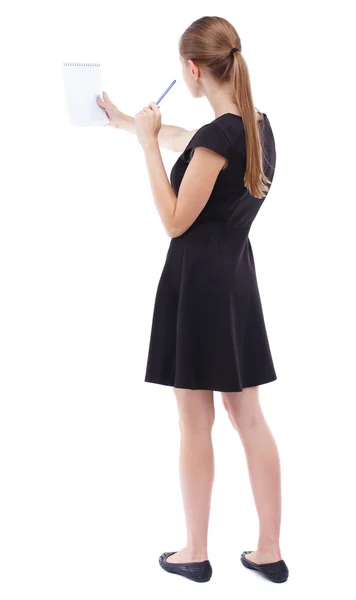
(82, 84)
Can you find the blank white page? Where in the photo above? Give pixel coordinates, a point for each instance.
(82, 84)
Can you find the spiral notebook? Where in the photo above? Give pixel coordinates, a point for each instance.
(82, 84)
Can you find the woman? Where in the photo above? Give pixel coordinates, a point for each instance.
(208, 331)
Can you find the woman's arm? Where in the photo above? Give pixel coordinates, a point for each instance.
(179, 213)
(211, 151)
(169, 136)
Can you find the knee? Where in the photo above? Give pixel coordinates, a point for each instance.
(197, 423)
(229, 404)
(243, 408)
(196, 411)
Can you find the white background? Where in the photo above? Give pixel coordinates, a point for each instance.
(90, 492)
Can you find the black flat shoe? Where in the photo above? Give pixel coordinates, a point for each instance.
(197, 571)
(275, 571)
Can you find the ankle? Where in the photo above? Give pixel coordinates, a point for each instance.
(195, 554)
(269, 549)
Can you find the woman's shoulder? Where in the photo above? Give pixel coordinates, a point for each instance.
(232, 125)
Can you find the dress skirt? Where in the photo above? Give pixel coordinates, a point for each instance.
(208, 329)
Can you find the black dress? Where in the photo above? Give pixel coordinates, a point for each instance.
(208, 330)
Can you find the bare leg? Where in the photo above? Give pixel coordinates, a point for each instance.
(262, 456)
(196, 468)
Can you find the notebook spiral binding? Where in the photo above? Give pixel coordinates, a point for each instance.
(81, 64)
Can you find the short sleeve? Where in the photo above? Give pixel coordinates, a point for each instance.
(209, 136)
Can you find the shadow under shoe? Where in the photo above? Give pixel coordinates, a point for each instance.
(196, 571)
(275, 571)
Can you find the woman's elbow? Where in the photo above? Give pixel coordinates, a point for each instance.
(173, 232)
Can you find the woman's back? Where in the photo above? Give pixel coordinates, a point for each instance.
(230, 204)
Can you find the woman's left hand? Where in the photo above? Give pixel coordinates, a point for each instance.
(148, 124)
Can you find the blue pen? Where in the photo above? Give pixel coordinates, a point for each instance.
(164, 93)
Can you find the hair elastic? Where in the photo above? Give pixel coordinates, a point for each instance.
(234, 50)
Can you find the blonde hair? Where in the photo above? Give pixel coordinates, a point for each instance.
(208, 41)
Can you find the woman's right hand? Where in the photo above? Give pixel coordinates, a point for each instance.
(112, 112)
